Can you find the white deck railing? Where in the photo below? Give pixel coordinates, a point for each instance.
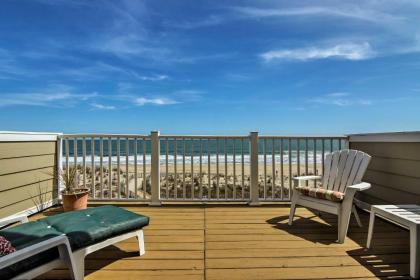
(157, 168)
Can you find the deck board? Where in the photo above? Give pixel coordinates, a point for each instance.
(248, 243)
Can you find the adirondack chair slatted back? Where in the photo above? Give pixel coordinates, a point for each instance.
(344, 168)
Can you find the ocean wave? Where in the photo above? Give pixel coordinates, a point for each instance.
(230, 159)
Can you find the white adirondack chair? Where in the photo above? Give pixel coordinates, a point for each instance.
(343, 172)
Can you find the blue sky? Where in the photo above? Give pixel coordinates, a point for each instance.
(228, 67)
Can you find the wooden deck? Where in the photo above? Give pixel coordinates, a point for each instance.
(189, 242)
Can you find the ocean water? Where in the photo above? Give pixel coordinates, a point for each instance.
(232, 149)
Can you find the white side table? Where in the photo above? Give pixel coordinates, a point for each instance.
(407, 216)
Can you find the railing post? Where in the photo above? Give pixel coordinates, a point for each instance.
(347, 143)
(155, 168)
(59, 170)
(253, 150)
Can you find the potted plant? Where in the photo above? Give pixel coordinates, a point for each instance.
(74, 197)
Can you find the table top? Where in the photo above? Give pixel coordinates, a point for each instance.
(403, 213)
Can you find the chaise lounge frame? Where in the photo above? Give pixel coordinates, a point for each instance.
(75, 261)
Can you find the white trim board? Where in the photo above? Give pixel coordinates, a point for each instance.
(409, 136)
(17, 136)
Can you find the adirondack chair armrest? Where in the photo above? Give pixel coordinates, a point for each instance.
(359, 187)
(307, 178)
(61, 242)
(351, 190)
(18, 218)
(299, 179)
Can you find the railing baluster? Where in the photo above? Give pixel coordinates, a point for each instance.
(75, 154)
(331, 145)
(226, 168)
(201, 169)
(265, 167)
(110, 167)
(136, 187)
(217, 168)
(118, 167)
(101, 162)
(144, 183)
(175, 170)
(281, 169)
(314, 159)
(234, 168)
(306, 156)
(209, 170)
(183, 169)
(290, 166)
(75, 157)
(298, 156)
(127, 174)
(192, 168)
(273, 168)
(323, 155)
(306, 160)
(67, 157)
(242, 168)
(167, 167)
(92, 159)
(84, 161)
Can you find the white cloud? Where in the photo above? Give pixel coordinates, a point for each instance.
(188, 95)
(9, 70)
(344, 11)
(129, 45)
(338, 94)
(349, 51)
(102, 70)
(238, 77)
(340, 99)
(154, 78)
(126, 34)
(63, 2)
(211, 20)
(54, 96)
(128, 92)
(367, 12)
(102, 106)
(129, 37)
(141, 101)
(97, 70)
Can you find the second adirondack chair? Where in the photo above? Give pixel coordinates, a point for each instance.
(343, 173)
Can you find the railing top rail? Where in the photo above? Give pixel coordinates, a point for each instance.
(178, 136)
(205, 136)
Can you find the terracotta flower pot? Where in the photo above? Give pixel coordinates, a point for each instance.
(76, 200)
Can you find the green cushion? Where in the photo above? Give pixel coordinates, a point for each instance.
(87, 227)
(83, 228)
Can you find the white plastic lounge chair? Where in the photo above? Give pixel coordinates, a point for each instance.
(343, 173)
(76, 234)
